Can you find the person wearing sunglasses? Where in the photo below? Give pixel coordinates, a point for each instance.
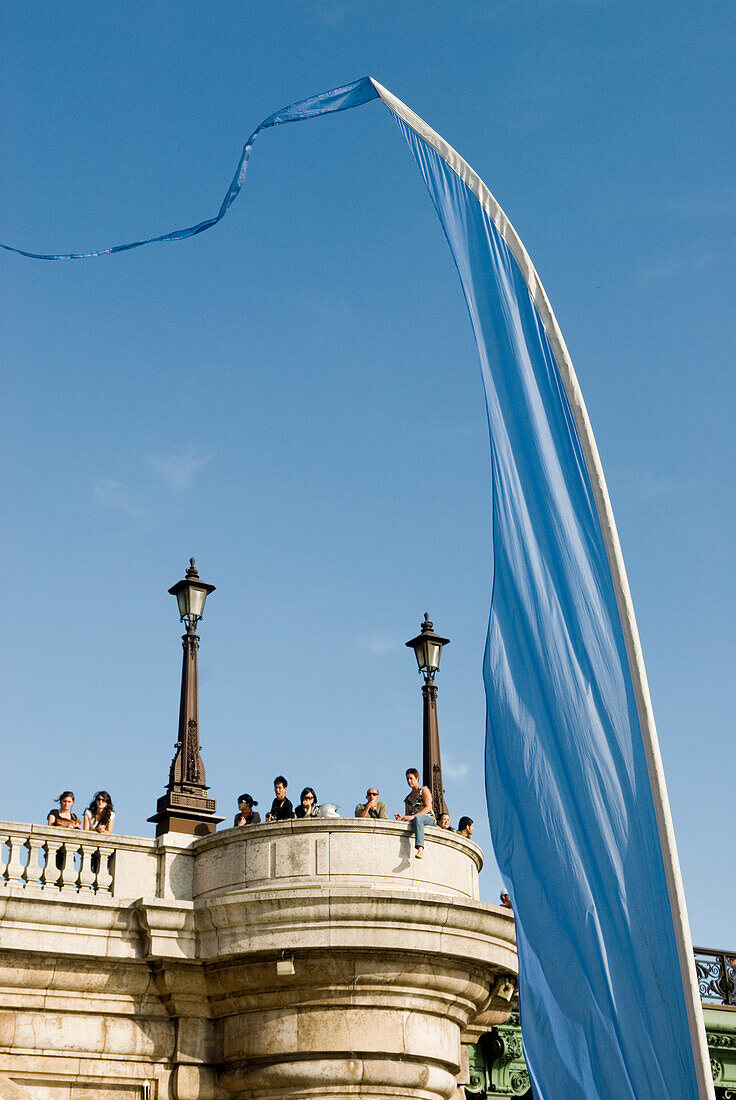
(308, 806)
(99, 816)
(371, 807)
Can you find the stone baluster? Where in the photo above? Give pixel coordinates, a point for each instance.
(89, 865)
(69, 876)
(14, 869)
(106, 871)
(3, 863)
(33, 872)
(52, 871)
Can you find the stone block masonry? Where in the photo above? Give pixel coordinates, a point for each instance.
(148, 970)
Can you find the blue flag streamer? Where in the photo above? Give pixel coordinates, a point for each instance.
(576, 799)
(338, 99)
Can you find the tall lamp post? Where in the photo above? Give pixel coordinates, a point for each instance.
(427, 648)
(185, 808)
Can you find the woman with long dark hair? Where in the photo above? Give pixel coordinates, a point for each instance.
(307, 804)
(99, 815)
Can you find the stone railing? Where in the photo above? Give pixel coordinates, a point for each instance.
(73, 862)
(68, 860)
(340, 852)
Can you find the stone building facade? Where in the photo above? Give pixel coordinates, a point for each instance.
(299, 959)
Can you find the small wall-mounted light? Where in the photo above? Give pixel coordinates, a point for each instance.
(285, 966)
(504, 989)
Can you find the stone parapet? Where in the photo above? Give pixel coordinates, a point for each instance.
(339, 851)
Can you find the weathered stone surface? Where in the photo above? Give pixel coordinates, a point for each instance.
(156, 975)
(381, 852)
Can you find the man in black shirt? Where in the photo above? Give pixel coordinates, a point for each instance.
(281, 808)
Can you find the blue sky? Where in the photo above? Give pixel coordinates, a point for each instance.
(294, 398)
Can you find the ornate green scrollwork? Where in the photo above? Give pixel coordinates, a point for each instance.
(478, 1081)
(497, 1066)
(498, 1069)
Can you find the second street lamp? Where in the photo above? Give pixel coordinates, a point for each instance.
(427, 648)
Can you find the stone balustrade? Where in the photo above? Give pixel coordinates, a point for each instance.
(72, 862)
(272, 855)
(56, 860)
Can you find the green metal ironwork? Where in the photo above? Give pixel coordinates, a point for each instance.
(497, 1066)
(498, 1069)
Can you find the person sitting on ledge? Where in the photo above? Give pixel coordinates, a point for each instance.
(506, 901)
(64, 816)
(418, 804)
(465, 827)
(99, 815)
(371, 807)
(281, 808)
(307, 804)
(444, 821)
(246, 815)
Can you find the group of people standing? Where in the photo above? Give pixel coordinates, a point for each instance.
(282, 808)
(417, 809)
(99, 816)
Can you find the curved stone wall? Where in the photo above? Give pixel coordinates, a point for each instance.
(339, 851)
(389, 958)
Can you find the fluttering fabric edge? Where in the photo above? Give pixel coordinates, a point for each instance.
(343, 98)
(616, 566)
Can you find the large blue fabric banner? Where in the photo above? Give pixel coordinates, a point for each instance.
(576, 798)
(569, 799)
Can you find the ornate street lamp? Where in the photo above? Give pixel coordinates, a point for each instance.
(191, 594)
(185, 808)
(427, 648)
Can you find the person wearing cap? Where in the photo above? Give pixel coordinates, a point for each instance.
(371, 807)
(246, 815)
